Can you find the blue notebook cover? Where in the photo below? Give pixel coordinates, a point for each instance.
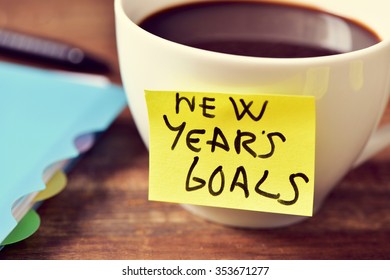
(41, 114)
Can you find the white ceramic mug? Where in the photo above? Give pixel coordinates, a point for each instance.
(351, 90)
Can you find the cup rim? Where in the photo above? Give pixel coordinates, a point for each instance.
(213, 55)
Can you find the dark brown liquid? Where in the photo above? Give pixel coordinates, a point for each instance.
(259, 29)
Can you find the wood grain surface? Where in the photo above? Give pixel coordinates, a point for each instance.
(104, 212)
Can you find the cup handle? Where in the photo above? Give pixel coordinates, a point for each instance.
(378, 141)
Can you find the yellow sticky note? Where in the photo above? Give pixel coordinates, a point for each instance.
(252, 152)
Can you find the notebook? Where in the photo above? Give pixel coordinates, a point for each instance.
(47, 119)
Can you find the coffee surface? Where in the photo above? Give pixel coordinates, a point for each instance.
(259, 29)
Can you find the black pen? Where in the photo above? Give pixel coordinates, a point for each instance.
(50, 52)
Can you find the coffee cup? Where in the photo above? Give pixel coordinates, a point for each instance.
(350, 88)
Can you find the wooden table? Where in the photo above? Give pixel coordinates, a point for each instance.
(104, 212)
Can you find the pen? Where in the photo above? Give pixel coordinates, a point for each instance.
(49, 51)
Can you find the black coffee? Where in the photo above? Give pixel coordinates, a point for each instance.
(259, 29)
